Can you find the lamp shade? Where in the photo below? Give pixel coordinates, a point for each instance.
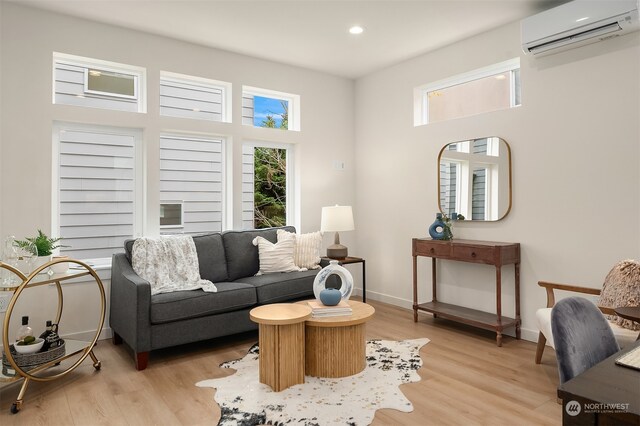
(336, 219)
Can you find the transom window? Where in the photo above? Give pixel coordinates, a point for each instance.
(487, 89)
(270, 109)
(187, 96)
(95, 83)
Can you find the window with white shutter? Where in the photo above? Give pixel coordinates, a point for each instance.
(194, 97)
(97, 193)
(191, 176)
(95, 83)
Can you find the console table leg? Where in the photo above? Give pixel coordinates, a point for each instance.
(415, 288)
(499, 338)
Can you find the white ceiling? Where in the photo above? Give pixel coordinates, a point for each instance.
(308, 33)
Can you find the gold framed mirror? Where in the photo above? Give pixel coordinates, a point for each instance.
(474, 179)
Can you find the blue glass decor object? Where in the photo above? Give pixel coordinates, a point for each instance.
(436, 230)
(319, 283)
(330, 296)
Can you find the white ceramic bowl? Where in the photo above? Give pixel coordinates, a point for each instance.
(29, 349)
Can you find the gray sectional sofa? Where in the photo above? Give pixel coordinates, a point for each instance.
(228, 259)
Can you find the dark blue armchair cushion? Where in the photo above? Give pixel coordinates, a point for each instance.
(582, 336)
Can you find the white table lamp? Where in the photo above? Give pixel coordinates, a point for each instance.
(335, 219)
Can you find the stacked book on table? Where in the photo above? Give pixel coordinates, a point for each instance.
(322, 311)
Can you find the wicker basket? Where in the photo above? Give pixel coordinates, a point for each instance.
(30, 361)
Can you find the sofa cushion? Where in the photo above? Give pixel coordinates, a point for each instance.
(242, 255)
(211, 257)
(181, 305)
(277, 287)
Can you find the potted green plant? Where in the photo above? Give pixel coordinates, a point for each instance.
(43, 244)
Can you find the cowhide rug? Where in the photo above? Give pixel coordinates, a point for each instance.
(350, 400)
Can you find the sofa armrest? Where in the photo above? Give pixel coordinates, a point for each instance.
(129, 313)
(551, 300)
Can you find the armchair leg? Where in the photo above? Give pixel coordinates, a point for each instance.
(542, 341)
(142, 359)
(116, 339)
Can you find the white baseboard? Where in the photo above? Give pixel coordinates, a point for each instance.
(106, 333)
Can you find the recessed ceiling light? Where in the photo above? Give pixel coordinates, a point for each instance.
(356, 29)
(582, 19)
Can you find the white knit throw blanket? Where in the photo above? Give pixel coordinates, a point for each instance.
(169, 263)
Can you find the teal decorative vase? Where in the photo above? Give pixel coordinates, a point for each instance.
(436, 230)
(330, 296)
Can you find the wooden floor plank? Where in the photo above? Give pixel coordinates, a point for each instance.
(467, 380)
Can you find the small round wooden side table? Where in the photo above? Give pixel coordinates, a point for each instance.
(281, 342)
(336, 346)
(630, 313)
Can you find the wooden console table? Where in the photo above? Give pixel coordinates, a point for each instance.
(484, 252)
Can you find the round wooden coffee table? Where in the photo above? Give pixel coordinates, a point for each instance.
(281, 342)
(336, 346)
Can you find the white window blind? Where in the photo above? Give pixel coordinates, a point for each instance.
(192, 97)
(191, 173)
(96, 172)
(72, 84)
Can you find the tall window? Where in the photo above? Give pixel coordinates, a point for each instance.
(97, 188)
(191, 184)
(95, 83)
(266, 186)
(271, 109)
(482, 90)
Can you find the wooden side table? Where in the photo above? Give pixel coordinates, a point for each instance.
(336, 346)
(281, 341)
(347, 261)
(630, 313)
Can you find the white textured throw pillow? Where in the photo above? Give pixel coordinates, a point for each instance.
(275, 257)
(307, 248)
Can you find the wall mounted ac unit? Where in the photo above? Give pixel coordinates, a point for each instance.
(578, 23)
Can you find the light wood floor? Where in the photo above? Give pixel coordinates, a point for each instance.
(466, 380)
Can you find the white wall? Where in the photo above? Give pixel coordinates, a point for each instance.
(576, 185)
(29, 37)
(575, 146)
